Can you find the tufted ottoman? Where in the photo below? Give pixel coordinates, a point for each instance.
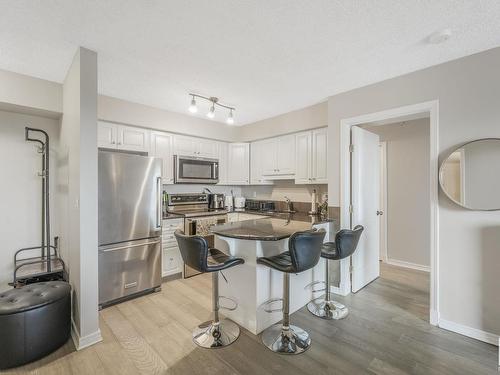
(34, 321)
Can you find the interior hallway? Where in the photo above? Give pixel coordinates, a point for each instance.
(386, 332)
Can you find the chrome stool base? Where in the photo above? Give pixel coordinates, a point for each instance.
(216, 335)
(293, 340)
(327, 309)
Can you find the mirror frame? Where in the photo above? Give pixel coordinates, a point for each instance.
(440, 176)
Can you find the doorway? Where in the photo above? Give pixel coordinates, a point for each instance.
(360, 190)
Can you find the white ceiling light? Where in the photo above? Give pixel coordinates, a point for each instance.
(230, 118)
(440, 36)
(193, 108)
(211, 112)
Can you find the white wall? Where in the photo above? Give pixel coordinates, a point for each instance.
(408, 195)
(468, 90)
(77, 192)
(314, 116)
(29, 92)
(280, 189)
(124, 112)
(20, 189)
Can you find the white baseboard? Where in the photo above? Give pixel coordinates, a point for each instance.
(475, 333)
(86, 341)
(413, 266)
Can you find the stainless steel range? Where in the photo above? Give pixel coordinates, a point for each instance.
(198, 218)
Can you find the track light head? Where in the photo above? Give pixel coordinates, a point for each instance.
(211, 112)
(230, 118)
(193, 108)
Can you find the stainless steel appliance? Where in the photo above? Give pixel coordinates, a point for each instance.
(216, 201)
(194, 170)
(198, 218)
(130, 215)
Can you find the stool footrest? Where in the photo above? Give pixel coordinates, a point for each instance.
(269, 302)
(311, 286)
(232, 308)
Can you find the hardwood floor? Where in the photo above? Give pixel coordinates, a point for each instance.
(386, 332)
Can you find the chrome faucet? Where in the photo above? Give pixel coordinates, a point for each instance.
(289, 206)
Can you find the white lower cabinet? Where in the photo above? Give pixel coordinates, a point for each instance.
(171, 256)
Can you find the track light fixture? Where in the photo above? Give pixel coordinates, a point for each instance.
(211, 112)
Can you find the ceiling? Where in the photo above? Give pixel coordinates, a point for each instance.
(266, 57)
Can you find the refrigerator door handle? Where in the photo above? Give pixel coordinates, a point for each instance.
(158, 203)
(130, 246)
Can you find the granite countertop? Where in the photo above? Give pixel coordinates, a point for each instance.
(269, 229)
(295, 216)
(170, 215)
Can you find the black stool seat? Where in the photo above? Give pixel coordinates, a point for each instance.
(345, 243)
(34, 321)
(218, 261)
(281, 262)
(304, 250)
(196, 254)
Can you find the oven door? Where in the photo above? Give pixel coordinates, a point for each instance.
(193, 170)
(200, 226)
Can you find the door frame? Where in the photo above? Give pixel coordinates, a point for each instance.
(432, 108)
(383, 206)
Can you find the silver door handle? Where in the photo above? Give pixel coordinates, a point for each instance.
(159, 205)
(130, 246)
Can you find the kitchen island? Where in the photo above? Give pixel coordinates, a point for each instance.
(252, 284)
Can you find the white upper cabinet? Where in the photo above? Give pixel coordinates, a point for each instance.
(222, 163)
(162, 147)
(208, 148)
(303, 158)
(256, 158)
(320, 156)
(191, 146)
(238, 164)
(122, 137)
(278, 161)
(311, 157)
(133, 139)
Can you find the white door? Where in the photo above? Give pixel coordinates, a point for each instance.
(161, 147)
(365, 186)
(319, 173)
(383, 201)
(133, 139)
(285, 155)
(238, 164)
(106, 135)
(303, 158)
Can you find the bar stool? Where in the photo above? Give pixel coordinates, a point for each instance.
(304, 249)
(196, 254)
(344, 246)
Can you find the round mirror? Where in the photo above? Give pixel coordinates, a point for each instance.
(470, 175)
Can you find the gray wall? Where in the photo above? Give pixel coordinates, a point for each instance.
(408, 195)
(468, 91)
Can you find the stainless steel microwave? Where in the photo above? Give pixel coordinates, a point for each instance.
(195, 170)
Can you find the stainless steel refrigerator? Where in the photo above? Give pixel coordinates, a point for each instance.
(129, 225)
